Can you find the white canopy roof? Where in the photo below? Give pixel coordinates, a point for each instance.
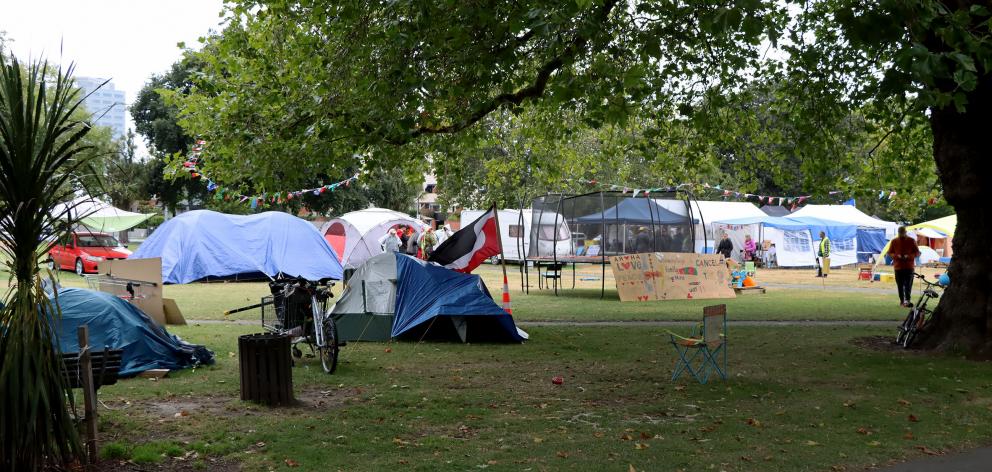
(356, 236)
(101, 216)
(845, 214)
(711, 211)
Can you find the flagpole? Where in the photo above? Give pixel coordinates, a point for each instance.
(502, 258)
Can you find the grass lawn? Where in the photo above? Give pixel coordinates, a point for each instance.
(799, 398)
(208, 301)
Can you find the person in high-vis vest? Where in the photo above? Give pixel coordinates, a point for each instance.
(824, 254)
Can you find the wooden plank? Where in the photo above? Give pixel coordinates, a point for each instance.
(749, 290)
(154, 373)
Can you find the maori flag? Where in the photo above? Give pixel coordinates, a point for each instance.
(471, 245)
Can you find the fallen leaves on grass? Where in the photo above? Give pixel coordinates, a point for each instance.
(908, 435)
(562, 454)
(928, 451)
(864, 431)
(640, 446)
(904, 402)
(291, 463)
(874, 443)
(913, 419)
(626, 437)
(812, 443)
(753, 422)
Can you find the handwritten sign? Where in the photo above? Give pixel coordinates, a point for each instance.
(671, 276)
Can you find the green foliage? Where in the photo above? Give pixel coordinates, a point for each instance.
(146, 454)
(41, 156)
(115, 451)
(157, 122)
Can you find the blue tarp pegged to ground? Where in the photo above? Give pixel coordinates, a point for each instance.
(204, 244)
(437, 302)
(117, 324)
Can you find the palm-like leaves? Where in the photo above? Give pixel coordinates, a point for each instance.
(40, 157)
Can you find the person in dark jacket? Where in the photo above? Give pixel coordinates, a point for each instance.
(726, 247)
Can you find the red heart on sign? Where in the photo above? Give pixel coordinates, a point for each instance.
(626, 265)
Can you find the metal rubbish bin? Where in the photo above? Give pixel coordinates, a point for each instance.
(266, 368)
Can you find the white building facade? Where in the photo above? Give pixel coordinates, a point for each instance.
(106, 104)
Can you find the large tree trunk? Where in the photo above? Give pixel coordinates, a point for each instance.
(962, 149)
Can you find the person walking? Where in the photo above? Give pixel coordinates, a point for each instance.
(726, 246)
(904, 251)
(824, 255)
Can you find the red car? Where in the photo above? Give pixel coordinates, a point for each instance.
(82, 252)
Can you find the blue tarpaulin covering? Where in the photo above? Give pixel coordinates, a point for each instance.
(426, 292)
(870, 241)
(117, 324)
(834, 230)
(641, 211)
(201, 244)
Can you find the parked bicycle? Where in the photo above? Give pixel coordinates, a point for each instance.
(920, 317)
(301, 311)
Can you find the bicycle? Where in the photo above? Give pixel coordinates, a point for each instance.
(301, 312)
(920, 318)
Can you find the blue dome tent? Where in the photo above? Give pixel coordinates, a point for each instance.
(204, 244)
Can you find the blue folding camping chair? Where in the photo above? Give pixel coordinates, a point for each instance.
(708, 347)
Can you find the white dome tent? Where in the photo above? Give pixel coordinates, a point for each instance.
(355, 236)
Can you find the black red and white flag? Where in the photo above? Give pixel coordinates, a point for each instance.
(471, 245)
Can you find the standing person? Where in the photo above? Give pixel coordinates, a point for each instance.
(903, 251)
(391, 242)
(824, 254)
(750, 248)
(404, 238)
(726, 246)
(428, 241)
(771, 258)
(411, 243)
(642, 242)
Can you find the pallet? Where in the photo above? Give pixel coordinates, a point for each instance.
(749, 290)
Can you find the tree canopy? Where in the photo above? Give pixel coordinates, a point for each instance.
(835, 94)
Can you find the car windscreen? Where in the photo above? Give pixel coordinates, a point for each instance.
(93, 240)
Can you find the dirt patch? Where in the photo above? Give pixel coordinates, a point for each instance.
(179, 406)
(171, 464)
(880, 344)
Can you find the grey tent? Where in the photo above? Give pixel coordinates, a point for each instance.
(397, 296)
(775, 210)
(367, 306)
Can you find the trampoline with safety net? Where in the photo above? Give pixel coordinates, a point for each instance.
(567, 230)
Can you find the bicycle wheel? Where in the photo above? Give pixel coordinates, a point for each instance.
(329, 351)
(905, 327)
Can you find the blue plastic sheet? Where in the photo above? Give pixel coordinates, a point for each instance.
(427, 291)
(643, 211)
(201, 244)
(117, 324)
(870, 241)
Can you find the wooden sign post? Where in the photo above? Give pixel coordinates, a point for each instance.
(89, 392)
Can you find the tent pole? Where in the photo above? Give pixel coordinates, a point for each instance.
(602, 248)
(502, 258)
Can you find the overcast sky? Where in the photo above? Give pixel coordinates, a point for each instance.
(124, 40)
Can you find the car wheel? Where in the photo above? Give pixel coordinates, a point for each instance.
(52, 266)
(79, 267)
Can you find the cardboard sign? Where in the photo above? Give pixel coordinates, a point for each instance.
(146, 270)
(671, 276)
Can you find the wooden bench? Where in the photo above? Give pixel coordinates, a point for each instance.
(106, 367)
